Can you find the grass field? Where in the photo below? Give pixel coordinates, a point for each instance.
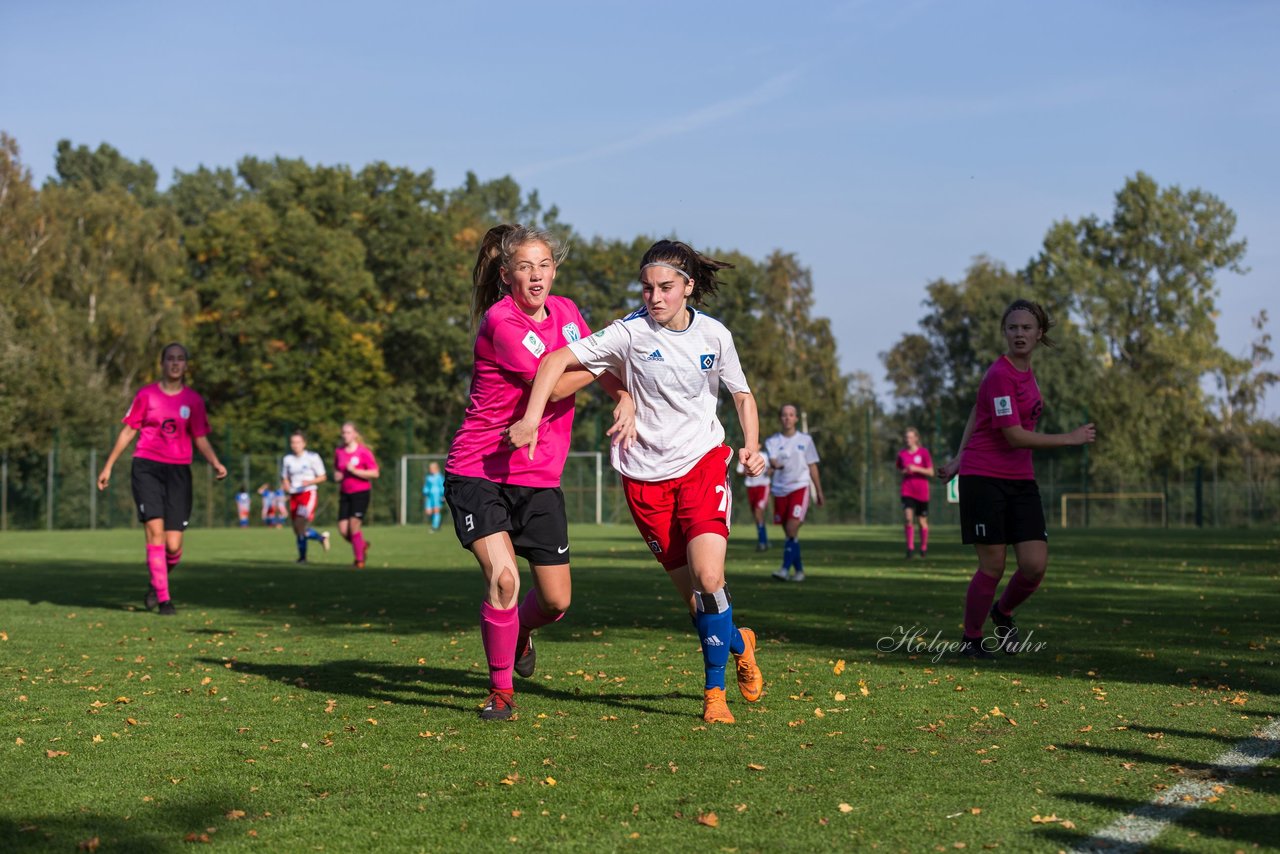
(321, 708)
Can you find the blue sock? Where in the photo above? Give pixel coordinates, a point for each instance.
(714, 630)
(762, 535)
(737, 645)
(302, 546)
(435, 521)
(788, 553)
(313, 534)
(795, 556)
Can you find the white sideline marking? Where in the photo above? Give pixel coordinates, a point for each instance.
(1133, 831)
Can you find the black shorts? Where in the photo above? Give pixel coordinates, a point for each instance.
(162, 491)
(533, 516)
(353, 505)
(921, 508)
(996, 511)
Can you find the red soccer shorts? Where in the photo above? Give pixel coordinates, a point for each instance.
(757, 497)
(302, 505)
(793, 505)
(670, 513)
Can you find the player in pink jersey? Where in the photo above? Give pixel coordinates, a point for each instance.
(675, 476)
(999, 499)
(503, 504)
(168, 418)
(354, 467)
(917, 467)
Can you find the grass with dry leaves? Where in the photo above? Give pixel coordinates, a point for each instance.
(324, 708)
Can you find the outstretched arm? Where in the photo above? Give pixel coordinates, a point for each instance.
(1020, 437)
(525, 431)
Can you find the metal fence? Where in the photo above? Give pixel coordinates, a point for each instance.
(57, 490)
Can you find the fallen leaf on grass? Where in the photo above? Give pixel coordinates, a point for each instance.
(235, 815)
(54, 753)
(839, 668)
(1069, 825)
(755, 766)
(90, 844)
(1086, 728)
(1046, 819)
(862, 688)
(843, 807)
(97, 739)
(196, 837)
(329, 706)
(131, 721)
(708, 819)
(550, 781)
(123, 700)
(19, 740)
(840, 698)
(373, 721)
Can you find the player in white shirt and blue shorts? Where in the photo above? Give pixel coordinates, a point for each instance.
(673, 359)
(301, 472)
(794, 463)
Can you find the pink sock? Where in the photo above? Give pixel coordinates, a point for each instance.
(977, 603)
(159, 572)
(172, 559)
(357, 544)
(1017, 591)
(498, 630)
(911, 536)
(532, 617)
(924, 539)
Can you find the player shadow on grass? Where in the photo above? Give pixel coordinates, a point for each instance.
(456, 690)
(67, 829)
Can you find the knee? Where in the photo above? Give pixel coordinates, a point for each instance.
(555, 605)
(992, 566)
(1033, 570)
(505, 584)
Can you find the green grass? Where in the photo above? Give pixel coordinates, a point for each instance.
(321, 708)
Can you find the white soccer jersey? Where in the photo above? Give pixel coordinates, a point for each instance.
(760, 480)
(294, 469)
(674, 378)
(792, 455)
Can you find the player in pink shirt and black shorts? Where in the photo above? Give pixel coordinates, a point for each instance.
(999, 500)
(917, 467)
(354, 467)
(169, 419)
(675, 475)
(504, 505)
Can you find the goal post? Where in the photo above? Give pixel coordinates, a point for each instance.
(582, 483)
(1156, 497)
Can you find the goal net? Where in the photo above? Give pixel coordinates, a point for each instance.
(582, 483)
(1113, 509)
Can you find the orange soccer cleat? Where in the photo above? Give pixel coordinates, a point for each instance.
(714, 708)
(750, 679)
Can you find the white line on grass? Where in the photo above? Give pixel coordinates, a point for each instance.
(1133, 831)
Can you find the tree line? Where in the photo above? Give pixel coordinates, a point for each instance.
(311, 294)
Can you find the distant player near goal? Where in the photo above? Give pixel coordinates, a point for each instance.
(999, 500)
(169, 419)
(916, 467)
(758, 500)
(794, 463)
(354, 469)
(301, 473)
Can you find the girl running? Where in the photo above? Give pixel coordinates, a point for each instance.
(301, 473)
(916, 467)
(504, 504)
(354, 467)
(999, 499)
(170, 418)
(675, 475)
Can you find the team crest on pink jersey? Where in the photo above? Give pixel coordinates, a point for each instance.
(184, 411)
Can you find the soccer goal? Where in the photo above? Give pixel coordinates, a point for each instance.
(582, 483)
(1114, 508)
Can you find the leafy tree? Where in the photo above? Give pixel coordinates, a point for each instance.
(103, 168)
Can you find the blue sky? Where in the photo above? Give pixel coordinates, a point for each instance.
(885, 143)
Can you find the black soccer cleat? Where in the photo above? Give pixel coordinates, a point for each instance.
(167, 609)
(974, 650)
(150, 601)
(1006, 630)
(499, 707)
(527, 661)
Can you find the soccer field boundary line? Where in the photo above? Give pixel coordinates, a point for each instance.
(1134, 831)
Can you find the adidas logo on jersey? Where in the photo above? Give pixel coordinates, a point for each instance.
(655, 356)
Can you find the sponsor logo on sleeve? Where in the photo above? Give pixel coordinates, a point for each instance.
(1003, 406)
(599, 333)
(706, 361)
(570, 332)
(534, 345)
